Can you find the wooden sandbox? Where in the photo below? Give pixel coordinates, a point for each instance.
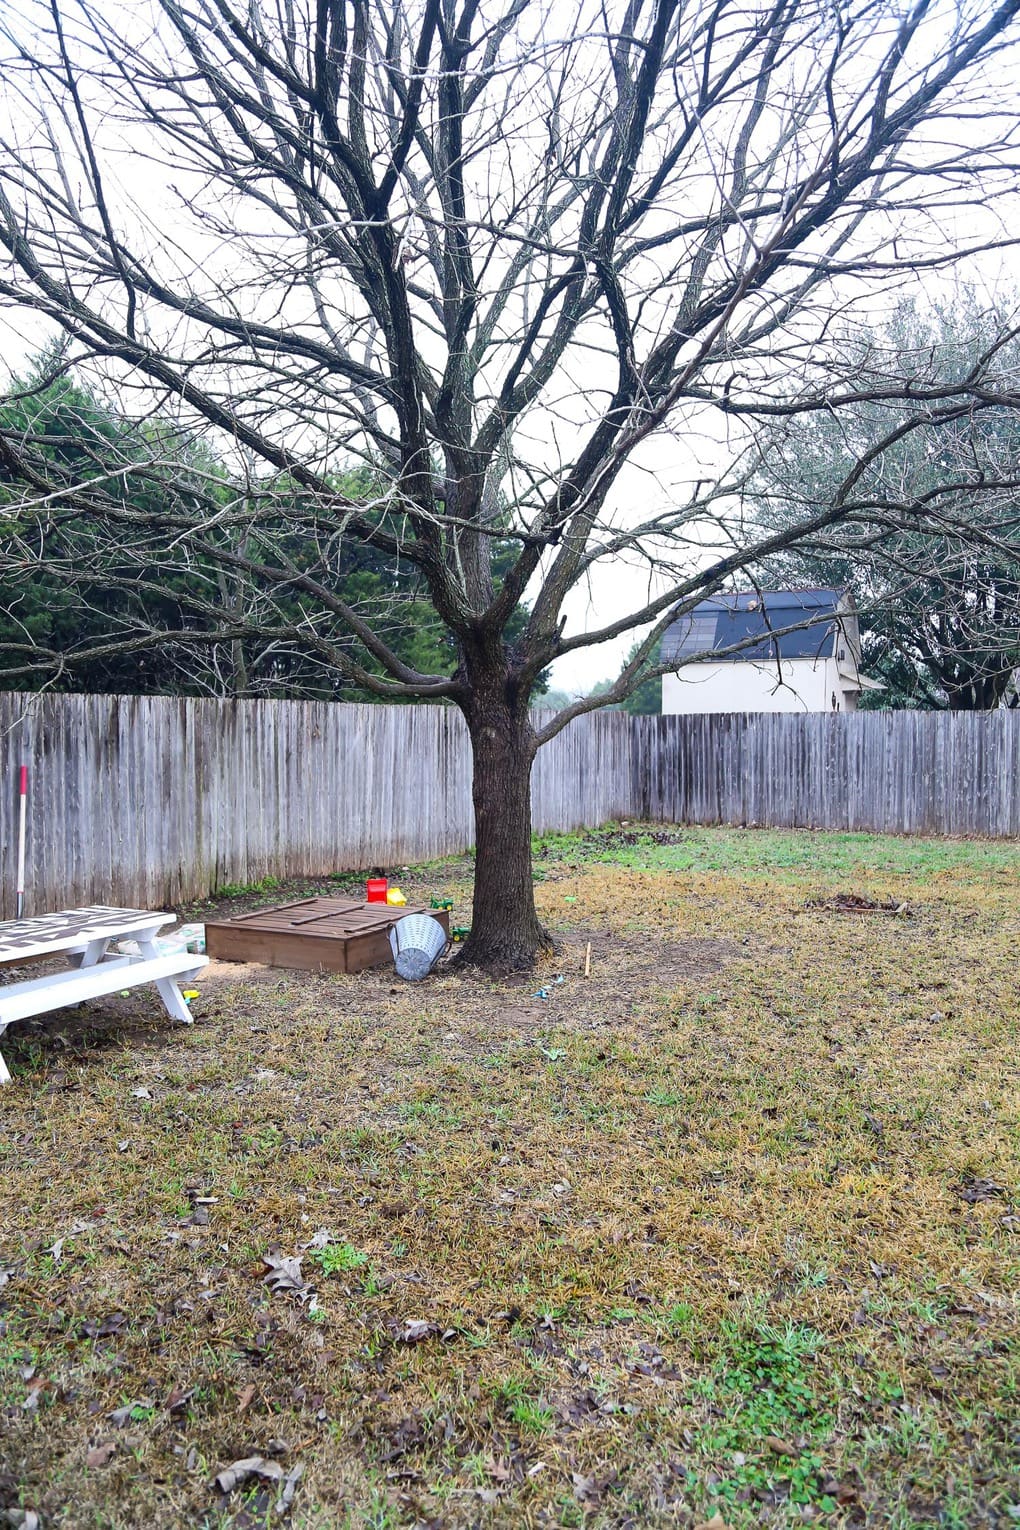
(314, 935)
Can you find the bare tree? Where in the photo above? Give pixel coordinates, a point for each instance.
(506, 253)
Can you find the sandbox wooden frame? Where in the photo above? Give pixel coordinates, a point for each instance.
(315, 934)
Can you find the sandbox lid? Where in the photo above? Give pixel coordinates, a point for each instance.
(314, 934)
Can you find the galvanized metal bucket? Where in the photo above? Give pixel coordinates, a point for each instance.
(417, 943)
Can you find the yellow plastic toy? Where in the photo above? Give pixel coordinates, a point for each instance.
(396, 898)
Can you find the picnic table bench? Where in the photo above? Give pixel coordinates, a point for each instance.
(85, 936)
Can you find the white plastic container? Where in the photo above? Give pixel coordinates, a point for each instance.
(417, 943)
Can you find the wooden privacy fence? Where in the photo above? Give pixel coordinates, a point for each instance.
(888, 772)
(156, 799)
(151, 800)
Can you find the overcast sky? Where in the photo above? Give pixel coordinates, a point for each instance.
(662, 471)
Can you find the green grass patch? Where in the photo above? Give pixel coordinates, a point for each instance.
(788, 854)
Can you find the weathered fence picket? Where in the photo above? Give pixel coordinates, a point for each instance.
(887, 772)
(152, 799)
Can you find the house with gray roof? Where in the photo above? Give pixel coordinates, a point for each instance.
(766, 651)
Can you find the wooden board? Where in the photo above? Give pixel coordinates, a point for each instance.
(313, 935)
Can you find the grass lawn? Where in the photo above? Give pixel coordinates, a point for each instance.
(728, 1233)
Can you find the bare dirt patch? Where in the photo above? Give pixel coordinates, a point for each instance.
(856, 903)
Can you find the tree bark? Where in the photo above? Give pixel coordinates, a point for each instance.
(506, 933)
(979, 692)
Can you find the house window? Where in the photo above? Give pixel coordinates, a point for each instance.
(692, 634)
(701, 634)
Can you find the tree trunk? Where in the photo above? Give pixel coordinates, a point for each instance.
(506, 934)
(978, 691)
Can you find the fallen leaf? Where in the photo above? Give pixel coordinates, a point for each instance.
(285, 1275)
(35, 1391)
(100, 1454)
(104, 1328)
(251, 1466)
(286, 1498)
(244, 1397)
(976, 1190)
(415, 1330)
(121, 1417)
(715, 1523)
(584, 1487)
(780, 1446)
(855, 903)
(849, 1491)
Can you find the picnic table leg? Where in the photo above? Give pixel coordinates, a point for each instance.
(95, 951)
(90, 955)
(173, 1000)
(87, 956)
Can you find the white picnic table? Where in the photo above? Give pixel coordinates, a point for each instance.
(85, 936)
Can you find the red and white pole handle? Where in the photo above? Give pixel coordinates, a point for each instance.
(23, 794)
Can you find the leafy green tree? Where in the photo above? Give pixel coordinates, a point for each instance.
(69, 584)
(646, 697)
(939, 584)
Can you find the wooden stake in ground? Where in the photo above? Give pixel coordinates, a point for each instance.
(587, 960)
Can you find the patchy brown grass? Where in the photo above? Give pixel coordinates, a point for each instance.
(730, 1227)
